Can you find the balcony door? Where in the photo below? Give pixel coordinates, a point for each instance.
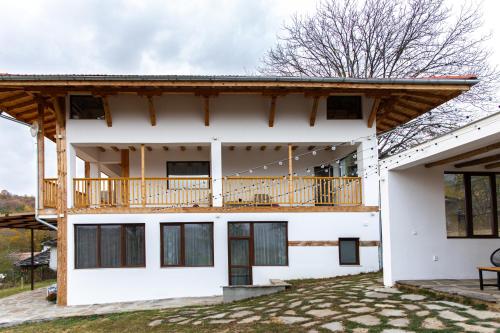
(240, 253)
(324, 190)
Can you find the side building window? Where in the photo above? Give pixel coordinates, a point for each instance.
(343, 107)
(187, 244)
(349, 251)
(472, 204)
(86, 107)
(110, 245)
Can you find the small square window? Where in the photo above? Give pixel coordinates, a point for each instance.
(349, 251)
(343, 107)
(86, 107)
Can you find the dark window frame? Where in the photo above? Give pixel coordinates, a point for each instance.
(252, 240)
(468, 205)
(349, 239)
(183, 245)
(209, 171)
(123, 255)
(355, 114)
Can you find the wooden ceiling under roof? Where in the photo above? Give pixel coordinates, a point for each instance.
(395, 101)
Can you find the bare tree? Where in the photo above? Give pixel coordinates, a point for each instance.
(392, 39)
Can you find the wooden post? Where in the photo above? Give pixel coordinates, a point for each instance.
(32, 269)
(290, 174)
(62, 234)
(143, 183)
(125, 164)
(40, 144)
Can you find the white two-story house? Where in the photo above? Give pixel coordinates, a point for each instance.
(175, 186)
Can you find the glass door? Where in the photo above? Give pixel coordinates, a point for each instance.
(240, 254)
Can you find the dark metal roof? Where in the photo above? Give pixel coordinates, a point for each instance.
(449, 79)
(39, 259)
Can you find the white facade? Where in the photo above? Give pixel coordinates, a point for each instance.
(235, 120)
(414, 235)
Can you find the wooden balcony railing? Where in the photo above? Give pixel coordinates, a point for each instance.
(196, 192)
(303, 191)
(49, 192)
(130, 192)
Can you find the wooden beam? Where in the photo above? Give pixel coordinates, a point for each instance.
(420, 100)
(314, 111)
(206, 109)
(107, 111)
(199, 148)
(272, 110)
(132, 148)
(12, 98)
(294, 148)
(61, 203)
(373, 112)
(149, 148)
(483, 160)
(101, 149)
(152, 110)
(463, 156)
(183, 148)
(87, 169)
(310, 148)
(40, 144)
(263, 148)
(492, 166)
(165, 148)
(248, 148)
(231, 147)
(125, 162)
(290, 175)
(277, 148)
(115, 148)
(143, 182)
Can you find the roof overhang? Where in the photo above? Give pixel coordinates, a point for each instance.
(24, 221)
(397, 100)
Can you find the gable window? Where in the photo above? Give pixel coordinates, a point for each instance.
(86, 107)
(471, 204)
(349, 251)
(109, 245)
(343, 107)
(187, 244)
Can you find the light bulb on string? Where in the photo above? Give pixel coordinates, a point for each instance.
(308, 170)
(297, 158)
(314, 152)
(264, 167)
(333, 147)
(322, 166)
(280, 163)
(250, 171)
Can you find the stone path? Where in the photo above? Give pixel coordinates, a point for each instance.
(358, 304)
(349, 304)
(32, 306)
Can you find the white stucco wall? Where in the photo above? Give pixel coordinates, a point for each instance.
(87, 286)
(53, 258)
(414, 230)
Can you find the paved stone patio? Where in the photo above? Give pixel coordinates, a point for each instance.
(32, 306)
(467, 288)
(358, 304)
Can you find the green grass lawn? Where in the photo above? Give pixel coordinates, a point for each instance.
(15, 290)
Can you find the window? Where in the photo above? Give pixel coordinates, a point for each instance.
(187, 244)
(269, 240)
(471, 204)
(188, 170)
(86, 107)
(343, 107)
(110, 246)
(349, 251)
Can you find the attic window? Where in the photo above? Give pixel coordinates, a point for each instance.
(86, 107)
(343, 107)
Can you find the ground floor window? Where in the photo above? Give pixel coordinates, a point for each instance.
(109, 245)
(349, 251)
(187, 244)
(472, 204)
(255, 244)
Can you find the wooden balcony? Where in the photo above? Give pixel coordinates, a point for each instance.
(49, 192)
(196, 192)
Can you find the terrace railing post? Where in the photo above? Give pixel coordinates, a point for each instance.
(143, 182)
(290, 175)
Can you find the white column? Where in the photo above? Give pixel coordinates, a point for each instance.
(386, 229)
(216, 172)
(367, 157)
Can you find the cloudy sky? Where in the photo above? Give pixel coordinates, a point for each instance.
(138, 37)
